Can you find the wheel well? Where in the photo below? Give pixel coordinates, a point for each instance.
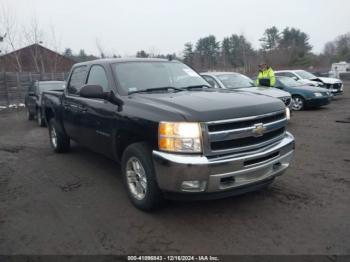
(298, 95)
(48, 114)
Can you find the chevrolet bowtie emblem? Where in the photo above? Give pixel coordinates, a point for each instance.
(259, 129)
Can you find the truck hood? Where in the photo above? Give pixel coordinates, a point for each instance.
(269, 91)
(210, 105)
(329, 80)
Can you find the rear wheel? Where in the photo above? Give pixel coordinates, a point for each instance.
(60, 142)
(139, 177)
(41, 121)
(30, 116)
(298, 103)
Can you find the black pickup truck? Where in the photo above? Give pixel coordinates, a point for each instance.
(33, 100)
(174, 135)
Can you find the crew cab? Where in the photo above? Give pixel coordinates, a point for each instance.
(239, 82)
(174, 136)
(334, 85)
(32, 99)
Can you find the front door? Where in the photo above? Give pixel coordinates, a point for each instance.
(96, 120)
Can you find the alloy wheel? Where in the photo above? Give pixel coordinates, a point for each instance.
(136, 178)
(39, 119)
(298, 103)
(53, 136)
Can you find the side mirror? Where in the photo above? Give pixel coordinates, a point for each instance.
(92, 91)
(111, 97)
(295, 78)
(96, 91)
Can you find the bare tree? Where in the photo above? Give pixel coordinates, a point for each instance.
(100, 49)
(9, 27)
(33, 36)
(55, 43)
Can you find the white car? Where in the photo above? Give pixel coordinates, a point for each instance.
(239, 82)
(334, 85)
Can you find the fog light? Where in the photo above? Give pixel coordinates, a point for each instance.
(193, 186)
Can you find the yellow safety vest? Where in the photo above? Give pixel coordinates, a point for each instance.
(266, 74)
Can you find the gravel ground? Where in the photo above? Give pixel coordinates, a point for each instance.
(75, 203)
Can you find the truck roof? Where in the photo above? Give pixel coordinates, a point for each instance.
(120, 60)
(50, 82)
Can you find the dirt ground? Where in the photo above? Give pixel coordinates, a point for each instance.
(75, 203)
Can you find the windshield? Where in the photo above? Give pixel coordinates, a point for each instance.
(305, 75)
(288, 81)
(137, 76)
(235, 81)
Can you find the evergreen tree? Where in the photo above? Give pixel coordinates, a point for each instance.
(188, 54)
(142, 54)
(270, 39)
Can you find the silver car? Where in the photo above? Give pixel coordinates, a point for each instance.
(239, 82)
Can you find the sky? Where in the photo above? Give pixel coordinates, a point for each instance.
(163, 26)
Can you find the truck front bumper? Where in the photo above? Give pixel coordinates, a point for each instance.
(217, 176)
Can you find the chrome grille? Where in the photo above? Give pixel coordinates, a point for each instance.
(244, 134)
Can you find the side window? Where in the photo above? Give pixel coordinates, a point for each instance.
(36, 88)
(292, 75)
(211, 81)
(31, 88)
(77, 80)
(97, 76)
(278, 84)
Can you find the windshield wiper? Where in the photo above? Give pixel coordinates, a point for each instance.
(197, 86)
(164, 88)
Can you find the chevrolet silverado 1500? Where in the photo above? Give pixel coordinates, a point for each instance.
(175, 136)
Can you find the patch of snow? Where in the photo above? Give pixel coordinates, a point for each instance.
(12, 106)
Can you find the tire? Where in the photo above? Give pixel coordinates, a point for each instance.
(141, 183)
(41, 121)
(60, 143)
(298, 103)
(30, 116)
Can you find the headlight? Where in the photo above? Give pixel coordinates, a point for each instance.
(317, 94)
(180, 137)
(287, 113)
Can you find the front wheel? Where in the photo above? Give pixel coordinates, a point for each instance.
(139, 177)
(60, 142)
(298, 103)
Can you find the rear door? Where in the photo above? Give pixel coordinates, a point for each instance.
(72, 104)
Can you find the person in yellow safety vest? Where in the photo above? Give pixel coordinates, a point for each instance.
(266, 76)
